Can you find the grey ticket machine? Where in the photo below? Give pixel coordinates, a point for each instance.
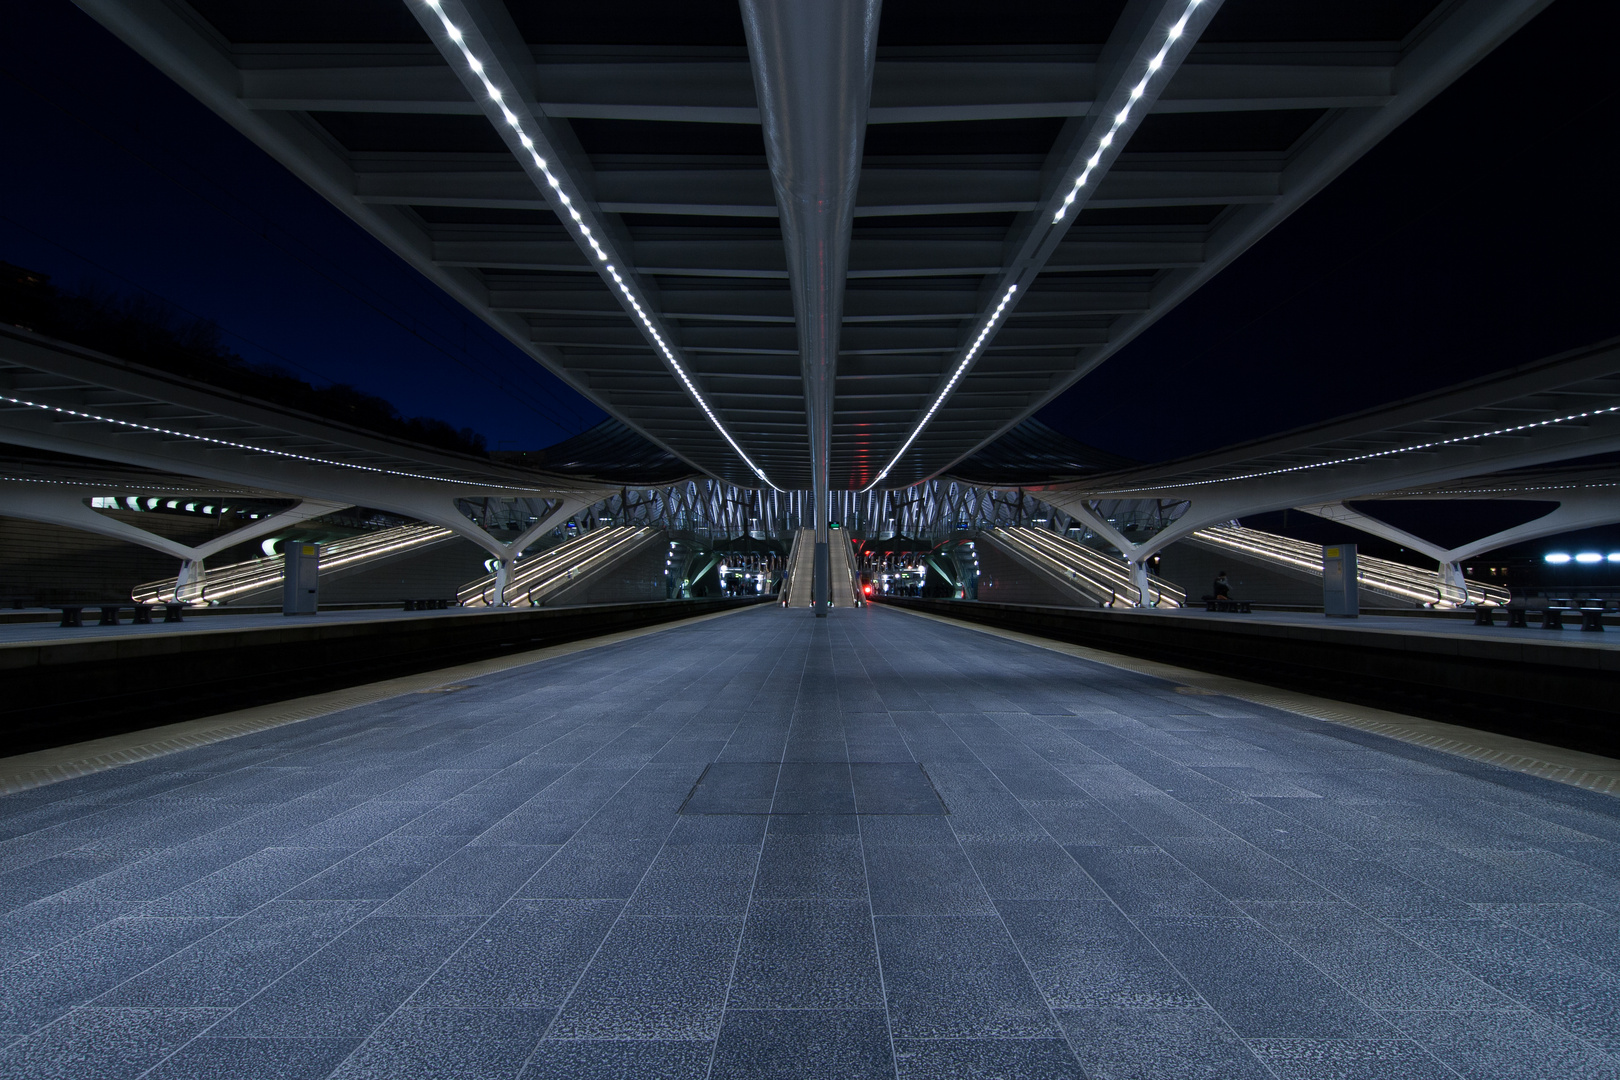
(301, 586)
(1339, 593)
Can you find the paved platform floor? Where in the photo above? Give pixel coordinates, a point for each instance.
(500, 881)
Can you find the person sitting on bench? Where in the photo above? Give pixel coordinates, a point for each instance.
(1222, 588)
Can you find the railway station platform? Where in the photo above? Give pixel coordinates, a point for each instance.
(1550, 686)
(767, 845)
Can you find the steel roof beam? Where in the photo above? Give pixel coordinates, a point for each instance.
(812, 66)
(721, 92)
(885, 191)
(1143, 53)
(484, 48)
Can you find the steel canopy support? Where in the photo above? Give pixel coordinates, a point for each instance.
(484, 47)
(812, 65)
(1147, 46)
(68, 509)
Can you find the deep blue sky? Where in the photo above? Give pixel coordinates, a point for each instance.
(1479, 236)
(117, 176)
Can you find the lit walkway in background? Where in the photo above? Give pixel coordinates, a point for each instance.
(774, 846)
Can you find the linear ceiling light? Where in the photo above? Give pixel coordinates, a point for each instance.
(1103, 148)
(498, 101)
(171, 433)
(945, 391)
(1414, 448)
(1123, 116)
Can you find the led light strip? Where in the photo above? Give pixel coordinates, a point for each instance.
(513, 121)
(247, 446)
(170, 491)
(939, 399)
(1511, 490)
(1123, 116)
(1366, 457)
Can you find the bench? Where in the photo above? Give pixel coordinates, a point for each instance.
(1552, 611)
(73, 614)
(1212, 604)
(430, 605)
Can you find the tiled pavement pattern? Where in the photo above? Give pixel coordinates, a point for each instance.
(1131, 882)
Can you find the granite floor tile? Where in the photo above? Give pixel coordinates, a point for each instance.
(379, 871)
(1240, 871)
(986, 1059)
(1585, 931)
(654, 978)
(813, 1044)
(1260, 987)
(811, 867)
(448, 1044)
(958, 978)
(1148, 881)
(1348, 1059)
(1572, 992)
(48, 984)
(471, 881)
(593, 867)
(611, 1059)
(210, 1058)
(1087, 954)
(1159, 1044)
(106, 1044)
(529, 956)
(1381, 967)
(697, 880)
(247, 883)
(807, 954)
(1498, 1045)
(49, 922)
(1029, 870)
(352, 984)
(238, 960)
(923, 879)
(1172, 874)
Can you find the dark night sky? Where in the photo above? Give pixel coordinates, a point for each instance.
(118, 176)
(1479, 236)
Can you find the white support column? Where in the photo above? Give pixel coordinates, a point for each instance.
(1452, 583)
(1144, 588)
(503, 575)
(189, 583)
(1097, 524)
(68, 509)
(1582, 508)
(564, 510)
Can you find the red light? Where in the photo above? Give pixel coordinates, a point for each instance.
(868, 590)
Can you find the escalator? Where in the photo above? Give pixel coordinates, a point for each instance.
(1399, 581)
(844, 590)
(798, 586)
(544, 576)
(238, 581)
(1090, 575)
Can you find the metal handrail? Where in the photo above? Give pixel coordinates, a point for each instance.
(1103, 577)
(1378, 575)
(234, 580)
